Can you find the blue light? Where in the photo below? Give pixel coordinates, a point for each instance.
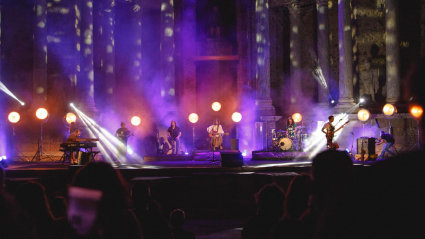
(129, 150)
(332, 101)
(186, 153)
(4, 157)
(347, 150)
(244, 153)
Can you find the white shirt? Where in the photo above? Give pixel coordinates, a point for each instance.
(218, 128)
(328, 127)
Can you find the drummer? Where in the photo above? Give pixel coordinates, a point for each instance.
(291, 127)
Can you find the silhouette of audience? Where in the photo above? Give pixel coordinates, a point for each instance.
(148, 212)
(58, 206)
(32, 197)
(269, 202)
(114, 220)
(177, 218)
(296, 203)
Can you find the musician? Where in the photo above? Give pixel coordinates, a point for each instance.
(389, 141)
(174, 137)
(330, 132)
(291, 127)
(162, 147)
(71, 139)
(122, 134)
(216, 133)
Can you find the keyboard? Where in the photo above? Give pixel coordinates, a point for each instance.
(78, 145)
(87, 139)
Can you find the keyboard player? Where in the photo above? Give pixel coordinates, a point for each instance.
(72, 138)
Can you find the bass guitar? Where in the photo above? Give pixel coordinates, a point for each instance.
(330, 136)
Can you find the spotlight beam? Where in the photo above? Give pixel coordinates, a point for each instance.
(7, 91)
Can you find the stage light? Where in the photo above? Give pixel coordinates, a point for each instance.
(70, 117)
(22, 103)
(41, 113)
(193, 118)
(347, 151)
(416, 111)
(216, 106)
(7, 91)
(236, 117)
(14, 117)
(297, 117)
(72, 104)
(363, 116)
(389, 111)
(361, 100)
(332, 101)
(129, 150)
(135, 120)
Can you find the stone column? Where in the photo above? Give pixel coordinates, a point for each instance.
(137, 44)
(85, 85)
(263, 101)
(40, 54)
(295, 52)
(392, 42)
(243, 49)
(345, 45)
(167, 54)
(323, 50)
(108, 59)
(189, 45)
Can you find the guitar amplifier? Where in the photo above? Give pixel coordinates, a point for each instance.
(368, 145)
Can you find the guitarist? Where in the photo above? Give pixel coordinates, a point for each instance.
(174, 134)
(122, 134)
(330, 132)
(216, 132)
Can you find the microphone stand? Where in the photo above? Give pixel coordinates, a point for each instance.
(351, 151)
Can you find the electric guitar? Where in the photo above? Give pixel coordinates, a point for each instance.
(330, 136)
(214, 133)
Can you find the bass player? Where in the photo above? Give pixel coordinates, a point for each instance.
(330, 132)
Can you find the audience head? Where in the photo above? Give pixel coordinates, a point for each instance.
(331, 171)
(270, 200)
(177, 218)
(103, 177)
(297, 196)
(32, 197)
(2, 173)
(58, 206)
(154, 207)
(141, 194)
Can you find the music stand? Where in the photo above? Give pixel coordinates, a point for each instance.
(39, 154)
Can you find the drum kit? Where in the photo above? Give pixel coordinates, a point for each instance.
(282, 141)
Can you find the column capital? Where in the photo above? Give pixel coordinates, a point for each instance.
(294, 7)
(322, 3)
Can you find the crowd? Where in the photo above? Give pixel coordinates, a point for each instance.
(98, 206)
(335, 201)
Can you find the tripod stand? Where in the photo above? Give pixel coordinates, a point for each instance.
(21, 156)
(39, 154)
(213, 161)
(418, 142)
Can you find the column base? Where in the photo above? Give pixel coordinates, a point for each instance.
(392, 100)
(88, 108)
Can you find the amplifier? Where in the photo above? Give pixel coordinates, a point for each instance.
(368, 145)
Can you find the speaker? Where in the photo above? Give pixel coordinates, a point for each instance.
(234, 144)
(368, 145)
(231, 159)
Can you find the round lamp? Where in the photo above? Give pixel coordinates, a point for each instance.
(41, 113)
(363, 116)
(135, 120)
(193, 118)
(297, 117)
(70, 117)
(216, 106)
(236, 117)
(389, 111)
(416, 111)
(14, 117)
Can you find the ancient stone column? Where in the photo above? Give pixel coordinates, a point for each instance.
(263, 101)
(392, 42)
(167, 53)
(345, 45)
(295, 52)
(108, 56)
(137, 44)
(85, 85)
(188, 39)
(323, 50)
(40, 54)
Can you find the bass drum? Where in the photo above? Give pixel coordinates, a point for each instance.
(285, 144)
